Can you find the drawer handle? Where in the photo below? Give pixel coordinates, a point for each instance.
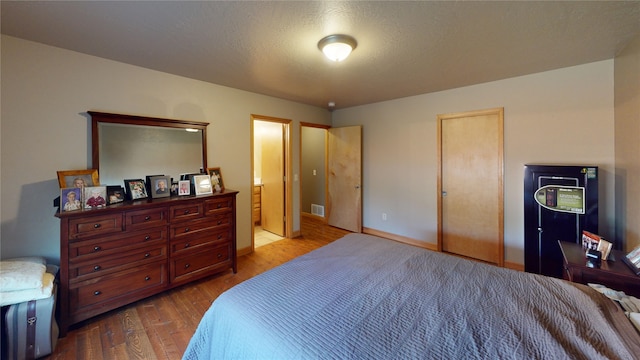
(147, 238)
(186, 266)
(96, 226)
(147, 278)
(219, 236)
(187, 229)
(186, 212)
(187, 245)
(147, 255)
(219, 255)
(97, 292)
(96, 268)
(219, 206)
(219, 222)
(147, 218)
(97, 248)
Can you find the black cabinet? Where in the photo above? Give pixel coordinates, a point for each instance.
(559, 203)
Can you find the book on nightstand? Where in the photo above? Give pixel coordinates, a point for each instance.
(633, 260)
(591, 241)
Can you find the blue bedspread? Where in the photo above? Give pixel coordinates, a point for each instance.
(363, 297)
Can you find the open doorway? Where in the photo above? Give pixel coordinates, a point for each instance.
(313, 170)
(270, 169)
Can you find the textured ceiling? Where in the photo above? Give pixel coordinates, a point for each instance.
(269, 47)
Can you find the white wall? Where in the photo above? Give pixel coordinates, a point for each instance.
(561, 116)
(627, 144)
(564, 116)
(45, 93)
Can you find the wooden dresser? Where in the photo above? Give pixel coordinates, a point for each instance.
(114, 256)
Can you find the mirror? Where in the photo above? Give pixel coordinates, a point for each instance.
(132, 147)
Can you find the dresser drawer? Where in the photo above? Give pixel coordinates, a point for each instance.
(195, 243)
(108, 288)
(189, 266)
(218, 205)
(95, 225)
(115, 244)
(193, 227)
(186, 212)
(221, 220)
(145, 218)
(106, 264)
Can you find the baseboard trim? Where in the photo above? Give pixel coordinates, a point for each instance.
(514, 266)
(244, 251)
(312, 216)
(426, 245)
(399, 238)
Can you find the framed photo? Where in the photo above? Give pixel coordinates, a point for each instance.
(94, 197)
(148, 184)
(135, 189)
(160, 186)
(115, 194)
(633, 260)
(184, 187)
(174, 188)
(216, 179)
(202, 184)
(78, 178)
(71, 199)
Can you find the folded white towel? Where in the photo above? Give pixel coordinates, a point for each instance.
(21, 275)
(635, 320)
(18, 296)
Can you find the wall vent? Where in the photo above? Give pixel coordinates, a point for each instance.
(317, 210)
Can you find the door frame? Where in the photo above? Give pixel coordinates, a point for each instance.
(288, 209)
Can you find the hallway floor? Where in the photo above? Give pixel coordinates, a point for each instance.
(263, 237)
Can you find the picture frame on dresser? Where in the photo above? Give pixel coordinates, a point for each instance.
(135, 189)
(159, 186)
(184, 188)
(94, 197)
(78, 178)
(216, 179)
(202, 184)
(71, 199)
(115, 194)
(147, 183)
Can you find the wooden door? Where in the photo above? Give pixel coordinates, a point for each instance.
(344, 176)
(470, 183)
(273, 175)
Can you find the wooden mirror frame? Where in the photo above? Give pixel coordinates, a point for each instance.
(101, 117)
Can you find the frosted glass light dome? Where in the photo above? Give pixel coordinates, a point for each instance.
(337, 47)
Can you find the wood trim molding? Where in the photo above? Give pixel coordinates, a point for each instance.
(399, 238)
(428, 246)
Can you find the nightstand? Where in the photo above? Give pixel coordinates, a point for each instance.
(612, 274)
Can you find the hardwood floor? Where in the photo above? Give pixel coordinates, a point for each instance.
(161, 326)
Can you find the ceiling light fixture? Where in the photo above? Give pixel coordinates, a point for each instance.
(337, 47)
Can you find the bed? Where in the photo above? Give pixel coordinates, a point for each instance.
(365, 297)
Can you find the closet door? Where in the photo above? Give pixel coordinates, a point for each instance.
(470, 184)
